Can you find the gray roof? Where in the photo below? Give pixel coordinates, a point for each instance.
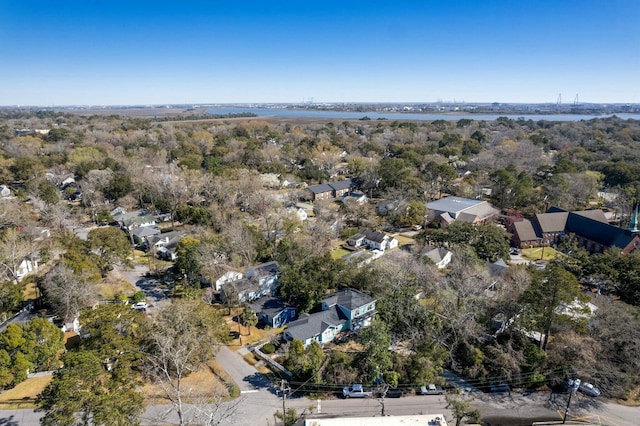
(376, 236)
(453, 204)
(524, 230)
(552, 222)
(265, 269)
(595, 214)
(170, 235)
(497, 268)
(241, 285)
(464, 209)
(341, 184)
(146, 231)
(348, 298)
(138, 219)
(435, 253)
(319, 189)
(269, 306)
(310, 325)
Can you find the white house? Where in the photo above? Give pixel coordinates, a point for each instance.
(4, 191)
(297, 213)
(227, 277)
(374, 240)
(266, 274)
(25, 268)
(438, 255)
(355, 196)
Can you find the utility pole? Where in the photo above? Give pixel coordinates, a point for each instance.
(573, 387)
(383, 392)
(284, 388)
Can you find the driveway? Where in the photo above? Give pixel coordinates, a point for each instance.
(137, 276)
(248, 379)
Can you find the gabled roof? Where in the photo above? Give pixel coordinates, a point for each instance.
(552, 222)
(270, 306)
(145, 231)
(595, 214)
(167, 236)
(599, 232)
(348, 298)
(525, 231)
(241, 285)
(310, 325)
(341, 184)
(453, 204)
(497, 268)
(436, 254)
(376, 236)
(457, 206)
(265, 269)
(467, 217)
(319, 189)
(139, 219)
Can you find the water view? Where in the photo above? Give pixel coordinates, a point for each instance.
(373, 115)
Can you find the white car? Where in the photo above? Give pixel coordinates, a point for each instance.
(431, 389)
(140, 306)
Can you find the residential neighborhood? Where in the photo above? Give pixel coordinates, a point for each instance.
(394, 281)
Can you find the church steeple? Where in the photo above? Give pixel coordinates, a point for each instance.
(633, 225)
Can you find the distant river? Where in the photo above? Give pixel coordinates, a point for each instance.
(344, 115)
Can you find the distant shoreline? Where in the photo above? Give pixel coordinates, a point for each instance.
(228, 113)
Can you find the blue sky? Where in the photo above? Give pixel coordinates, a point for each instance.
(114, 52)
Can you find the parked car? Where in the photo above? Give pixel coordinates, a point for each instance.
(394, 393)
(500, 387)
(588, 389)
(140, 306)
(355, 391)
(431, 389)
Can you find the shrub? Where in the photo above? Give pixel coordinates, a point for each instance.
(139, 296)
(268, 348)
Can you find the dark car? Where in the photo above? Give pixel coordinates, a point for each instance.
(394, 393)
(500, 387)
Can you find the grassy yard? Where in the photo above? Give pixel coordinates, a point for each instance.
(404, 240)
(30, 291)
(536, 253)
(24, 394)
(258, 334)
(199, 384)
(339, 253)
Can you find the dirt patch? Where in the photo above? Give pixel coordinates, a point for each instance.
(24, 394)
(30, 291)
(108, 289)
(197, 386)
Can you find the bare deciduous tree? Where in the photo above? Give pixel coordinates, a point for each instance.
(183, 337)
(67, 292)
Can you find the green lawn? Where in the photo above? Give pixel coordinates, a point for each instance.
(404, 240)
(536, 253)
(339, 253)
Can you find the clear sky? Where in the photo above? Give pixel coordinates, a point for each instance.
(112, 52)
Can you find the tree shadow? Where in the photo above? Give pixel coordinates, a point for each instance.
(260, 381)
(8, 421)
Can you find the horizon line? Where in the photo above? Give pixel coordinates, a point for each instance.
(303, 103)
